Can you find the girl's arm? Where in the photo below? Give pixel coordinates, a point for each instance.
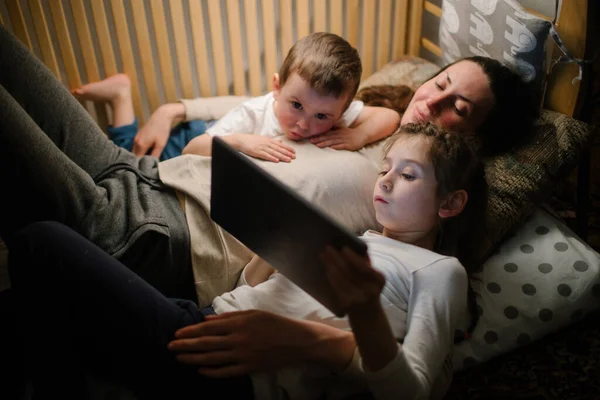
(358, 287)
(436, 303)
(257, 271)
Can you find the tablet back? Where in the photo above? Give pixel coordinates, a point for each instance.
(275, 222)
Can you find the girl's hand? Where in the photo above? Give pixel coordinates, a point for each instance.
(243, 342)
(340, 139)
(264, 148)
(357, 284)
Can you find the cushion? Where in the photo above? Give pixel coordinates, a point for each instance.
(540, 280)
(503, 30)
(523, 179)
(407, 70)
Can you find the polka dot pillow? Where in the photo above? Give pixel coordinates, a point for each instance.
(540, 280)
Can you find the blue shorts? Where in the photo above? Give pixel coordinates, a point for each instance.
(179, 137)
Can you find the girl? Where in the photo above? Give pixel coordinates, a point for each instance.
(403, 303)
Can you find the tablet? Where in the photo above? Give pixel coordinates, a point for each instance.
(275, 222)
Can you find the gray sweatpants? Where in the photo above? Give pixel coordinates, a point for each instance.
(56, 164)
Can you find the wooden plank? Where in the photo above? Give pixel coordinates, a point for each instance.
(181, 48)
(352, 27)
(218, 45)
(303, 18)
(66, 46)
(200, 50)
(384, 30)
(268, 18)
(1, 20)
(252, 41)
(320, 15)
(127, 56)
(43, 36)
(85, 40)
(432, 8)
(15, 14)
(103, 37)
(414, 30)
(400, 25)
(236, 47)
(538, 14)
(106, 51)
(336, 21)
(432, 47)
(561, 94)
(163, 50)
(368, 37)
(142, 34)
(285, 25)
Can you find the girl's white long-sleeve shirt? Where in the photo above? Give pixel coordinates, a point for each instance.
(425, 300)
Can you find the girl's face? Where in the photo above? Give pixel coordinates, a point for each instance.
(405, 196)
(458, 99)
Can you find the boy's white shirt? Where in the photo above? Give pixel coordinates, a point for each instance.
(257, 116)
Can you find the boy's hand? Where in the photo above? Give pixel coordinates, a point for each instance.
(264, 148)
(340, 139)
(358, 285)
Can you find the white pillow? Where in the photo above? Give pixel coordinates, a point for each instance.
(540, 280)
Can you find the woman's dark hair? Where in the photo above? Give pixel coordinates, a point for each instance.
(458, 165)
(395, 97)
(508, 123)
(515, 109)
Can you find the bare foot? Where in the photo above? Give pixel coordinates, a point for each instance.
(110, 89)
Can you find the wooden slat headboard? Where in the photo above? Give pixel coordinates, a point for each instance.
(188, 48)
(175, 48)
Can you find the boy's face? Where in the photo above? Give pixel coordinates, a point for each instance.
(301, 111)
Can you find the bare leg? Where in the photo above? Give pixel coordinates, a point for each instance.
(116, 90)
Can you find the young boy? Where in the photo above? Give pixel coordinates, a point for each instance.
(158, 137)
(312, 95)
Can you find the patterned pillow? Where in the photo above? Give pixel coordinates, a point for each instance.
(500, 29)
(539, 281)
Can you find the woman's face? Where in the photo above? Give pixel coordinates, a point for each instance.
(458, 99)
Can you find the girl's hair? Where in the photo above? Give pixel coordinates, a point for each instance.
(508, 123)
(457, 165)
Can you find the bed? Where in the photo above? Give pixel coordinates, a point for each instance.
(185, 49)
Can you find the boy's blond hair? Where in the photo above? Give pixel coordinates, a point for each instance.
(329, 64)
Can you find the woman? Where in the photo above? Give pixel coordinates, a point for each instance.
(475, 94)
(404, 302)
(60, 166)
